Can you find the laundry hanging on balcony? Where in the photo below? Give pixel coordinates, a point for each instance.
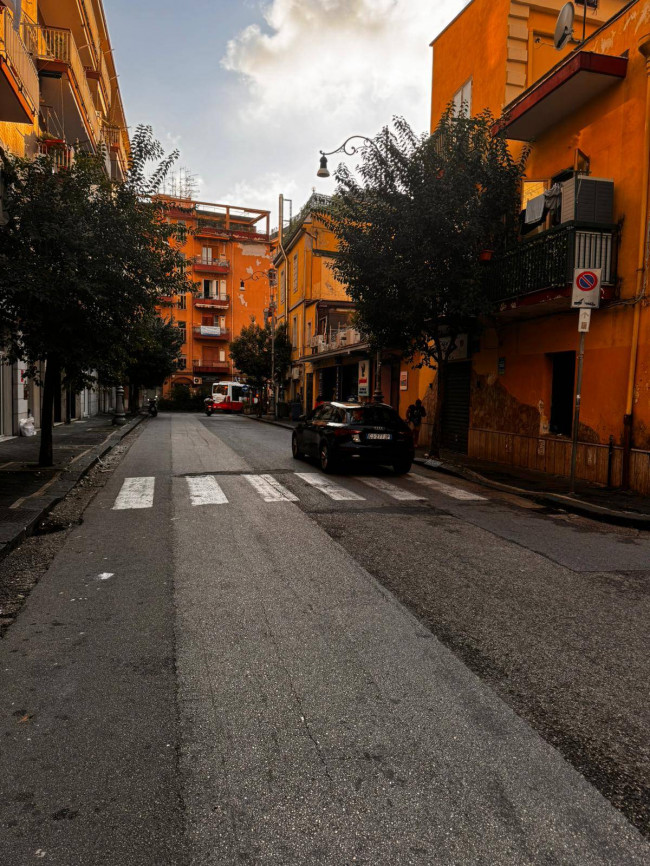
(535, 210)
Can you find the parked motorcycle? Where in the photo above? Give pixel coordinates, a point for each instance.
(153, 407)
(209, 406)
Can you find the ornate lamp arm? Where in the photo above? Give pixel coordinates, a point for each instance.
(323, 171)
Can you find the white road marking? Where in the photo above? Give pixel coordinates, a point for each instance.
(447, 489)
(340, 494)
(135, 493)
(389, 489)
(269, 489)
(204, 490)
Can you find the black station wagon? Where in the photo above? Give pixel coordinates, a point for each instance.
(337, 433)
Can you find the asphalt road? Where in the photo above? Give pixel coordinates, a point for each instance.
(229, 663)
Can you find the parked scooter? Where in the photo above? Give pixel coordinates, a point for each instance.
(153, 406)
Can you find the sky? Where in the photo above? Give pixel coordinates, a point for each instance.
(250, 91)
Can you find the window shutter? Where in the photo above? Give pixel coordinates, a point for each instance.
(222, 288)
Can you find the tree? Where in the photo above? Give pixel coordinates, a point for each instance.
(154, 351)
(252, 353)
(411, 229)
(82, 261)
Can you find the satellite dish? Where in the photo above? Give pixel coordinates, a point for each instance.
(564, 26)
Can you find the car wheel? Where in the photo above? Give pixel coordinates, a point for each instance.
(402, 467)
(325, 458)
(295, 447)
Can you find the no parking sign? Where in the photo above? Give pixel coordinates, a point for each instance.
(586, 288)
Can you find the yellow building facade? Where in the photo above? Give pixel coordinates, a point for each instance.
(330, 357)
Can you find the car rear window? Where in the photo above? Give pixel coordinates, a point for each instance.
(374, 416)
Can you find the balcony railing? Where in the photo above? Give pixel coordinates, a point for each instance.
(221, 303)
(336, 339)
(59, 152)
(211, 332)
(208, 368)
(55, 44)
(214, 266)
(14, 53)
(548, 261)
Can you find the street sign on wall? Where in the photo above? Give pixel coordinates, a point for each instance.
(586, 288)
(364, 381)
(404, 380)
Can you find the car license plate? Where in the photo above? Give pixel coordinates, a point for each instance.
(379, 436)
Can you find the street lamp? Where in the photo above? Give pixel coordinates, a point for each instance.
(323, 171)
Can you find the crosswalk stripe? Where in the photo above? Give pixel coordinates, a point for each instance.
(447, 489)
(135, 493)
(389, 489)
(340, 494)
(269, 489)
(204, 490)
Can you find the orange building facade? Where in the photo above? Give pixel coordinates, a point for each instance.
(586, 117)
(227, 250)
(58, 95)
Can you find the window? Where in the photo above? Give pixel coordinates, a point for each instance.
(294, 332)
(182, 362)
(222, 321)
(222, 356)
(222, 289)
(182, 302)
(206, 288)
(181, 325)
(206, 255)
(283, 286)
(295, 272)
(462, 101)
(309, 333)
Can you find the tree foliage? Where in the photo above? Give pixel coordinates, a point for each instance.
(252, 351)
(83, 261)
(410, 228)
(154, 350)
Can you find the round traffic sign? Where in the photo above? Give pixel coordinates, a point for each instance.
(586, 281)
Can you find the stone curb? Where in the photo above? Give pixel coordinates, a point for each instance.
(269, 421)
(63, 485)
(568, 503)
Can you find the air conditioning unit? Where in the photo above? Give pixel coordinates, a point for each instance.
(588, 199)
(197, 380)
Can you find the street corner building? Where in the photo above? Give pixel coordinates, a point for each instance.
(58, 96)
(330, 357)
(584, 110)
(228, 258)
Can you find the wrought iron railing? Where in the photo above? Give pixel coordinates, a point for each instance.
(60, 153)
(16, 55)
(548, 261)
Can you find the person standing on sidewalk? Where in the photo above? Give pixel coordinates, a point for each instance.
(414, 415)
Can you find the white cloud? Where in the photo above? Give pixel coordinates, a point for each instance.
(317, 71)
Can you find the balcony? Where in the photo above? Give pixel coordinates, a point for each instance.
(336, 341)
(211, 266)
(541, 270)
(221, 303)
(211, 332)
(19, 89)
(58, 57)
(114, 139)
(210, 368)
(61, 154)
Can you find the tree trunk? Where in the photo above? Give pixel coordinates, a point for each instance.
(436, 427)
(50, 387)
(134, 398)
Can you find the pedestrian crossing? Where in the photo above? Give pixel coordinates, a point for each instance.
(139, 493)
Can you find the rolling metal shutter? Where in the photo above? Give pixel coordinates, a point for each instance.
(455, 413)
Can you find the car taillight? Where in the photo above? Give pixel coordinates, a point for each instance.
(345, 433)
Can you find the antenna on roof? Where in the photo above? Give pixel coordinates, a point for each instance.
(564, 26)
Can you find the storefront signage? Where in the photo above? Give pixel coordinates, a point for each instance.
(586, 288)
(404, 380)
(364, 380)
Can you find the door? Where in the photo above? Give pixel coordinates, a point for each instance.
(562, 391)
(455, 410)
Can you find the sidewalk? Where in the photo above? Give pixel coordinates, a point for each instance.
(28, 492)
(602, 503)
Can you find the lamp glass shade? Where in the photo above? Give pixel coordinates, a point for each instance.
(323, 171)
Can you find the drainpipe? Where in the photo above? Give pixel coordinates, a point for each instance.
(644, 48)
